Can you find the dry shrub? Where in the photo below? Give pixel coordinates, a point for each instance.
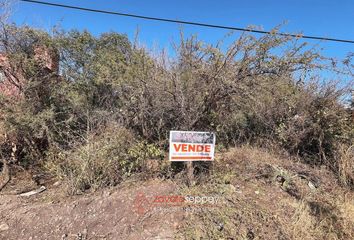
(105, 160)
(245, 94)
(346, 208)
(345, 161)
(322, 218)
(2, 132)
(301, 222)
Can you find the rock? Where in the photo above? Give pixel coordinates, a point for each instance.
(220, 226)
(4, 227)
(34, 192)
(256, 192)
(57, 183)
(311, 185)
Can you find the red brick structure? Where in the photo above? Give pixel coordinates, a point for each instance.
(48, 58)
(10, 84)
(11, 76)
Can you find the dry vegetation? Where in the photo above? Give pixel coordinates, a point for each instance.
(105, 160)
(109, 112)
(259, 206)
(246, 94)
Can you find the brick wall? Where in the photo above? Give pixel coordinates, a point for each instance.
(11, 78)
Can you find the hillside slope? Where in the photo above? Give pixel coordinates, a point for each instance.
(260, 196)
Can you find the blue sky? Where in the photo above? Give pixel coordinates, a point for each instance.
(311, 17)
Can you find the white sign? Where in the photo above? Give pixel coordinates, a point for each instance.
(192, 146)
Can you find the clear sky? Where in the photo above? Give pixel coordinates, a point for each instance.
(328, 18)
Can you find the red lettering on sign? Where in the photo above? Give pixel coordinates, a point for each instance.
(200, 148)
(177, 147)
(191, 148)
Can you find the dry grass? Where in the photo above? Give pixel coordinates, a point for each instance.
(345, 205)
(346, 164)
(2, 132)
(257, 206)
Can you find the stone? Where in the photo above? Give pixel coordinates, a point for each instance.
(57, 183)
(4, 227)
(311, 185)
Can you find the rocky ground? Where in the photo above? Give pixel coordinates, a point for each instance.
(108, 214)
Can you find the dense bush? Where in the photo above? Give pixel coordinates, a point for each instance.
(260, 90)
(104, 160)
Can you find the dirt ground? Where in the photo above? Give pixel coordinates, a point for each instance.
(108, 214)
